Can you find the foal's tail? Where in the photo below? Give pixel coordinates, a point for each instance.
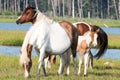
(74, 41)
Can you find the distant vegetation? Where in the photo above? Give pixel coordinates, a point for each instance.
(94, 21)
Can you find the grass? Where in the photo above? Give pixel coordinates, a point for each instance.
(11, 70)
(16, 37)
(11, 37)
(114, 41)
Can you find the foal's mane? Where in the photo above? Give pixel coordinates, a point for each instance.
(86, 33)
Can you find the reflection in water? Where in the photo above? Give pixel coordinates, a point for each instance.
(14, 51)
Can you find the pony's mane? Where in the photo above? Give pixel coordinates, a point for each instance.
(24, 59)
(82, 23)
(42, 16)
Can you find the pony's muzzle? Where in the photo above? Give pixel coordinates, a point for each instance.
(18, 21)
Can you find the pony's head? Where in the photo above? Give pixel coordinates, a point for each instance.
(94, 36)
(28, 15)
(25, 60)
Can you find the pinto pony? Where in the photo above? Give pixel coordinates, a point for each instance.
(84, 45)
(102, 39)
(49, 38)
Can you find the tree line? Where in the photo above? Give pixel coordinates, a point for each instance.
(72, 8)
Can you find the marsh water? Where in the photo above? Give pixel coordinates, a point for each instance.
(14, 50)
(14, 26)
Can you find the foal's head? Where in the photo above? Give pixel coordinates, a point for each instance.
(94, 36)
(28, 15)
(25, 60)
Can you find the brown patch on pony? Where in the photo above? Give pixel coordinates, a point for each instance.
(72, 33)
(29, 50)
(82, 28)
(83, 47)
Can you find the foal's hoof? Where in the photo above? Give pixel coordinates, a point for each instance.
(75, 73)
(38, 75)
(85, 75)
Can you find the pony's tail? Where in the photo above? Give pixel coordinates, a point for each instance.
(102, 42)
(74, 41)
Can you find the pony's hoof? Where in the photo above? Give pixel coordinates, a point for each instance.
(45, 74)
(85, 75)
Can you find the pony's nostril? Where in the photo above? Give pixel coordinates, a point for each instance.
(18, 21)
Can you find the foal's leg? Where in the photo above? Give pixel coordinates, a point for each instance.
(80, 63)
(86, 57)
(90, 62)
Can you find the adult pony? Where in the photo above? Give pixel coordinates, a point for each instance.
(83, 47)
(102, 39)
(48, 37)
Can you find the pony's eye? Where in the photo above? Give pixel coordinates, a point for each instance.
(27, 13)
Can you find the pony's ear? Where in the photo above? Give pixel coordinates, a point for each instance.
(28, 6)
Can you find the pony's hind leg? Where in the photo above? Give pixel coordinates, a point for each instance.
(64, 61)
(68, 61)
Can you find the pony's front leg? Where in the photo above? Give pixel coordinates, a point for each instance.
(41, 63)
(86, 57)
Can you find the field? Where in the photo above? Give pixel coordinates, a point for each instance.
(11, 70)
(15, 38)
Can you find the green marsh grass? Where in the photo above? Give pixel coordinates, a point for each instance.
(114, 41)
(11, 37)
(16, 37)
(11, 70)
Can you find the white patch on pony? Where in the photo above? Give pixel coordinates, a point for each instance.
(19, 17)
(86, 37)
(51, 35)
(95, 40)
